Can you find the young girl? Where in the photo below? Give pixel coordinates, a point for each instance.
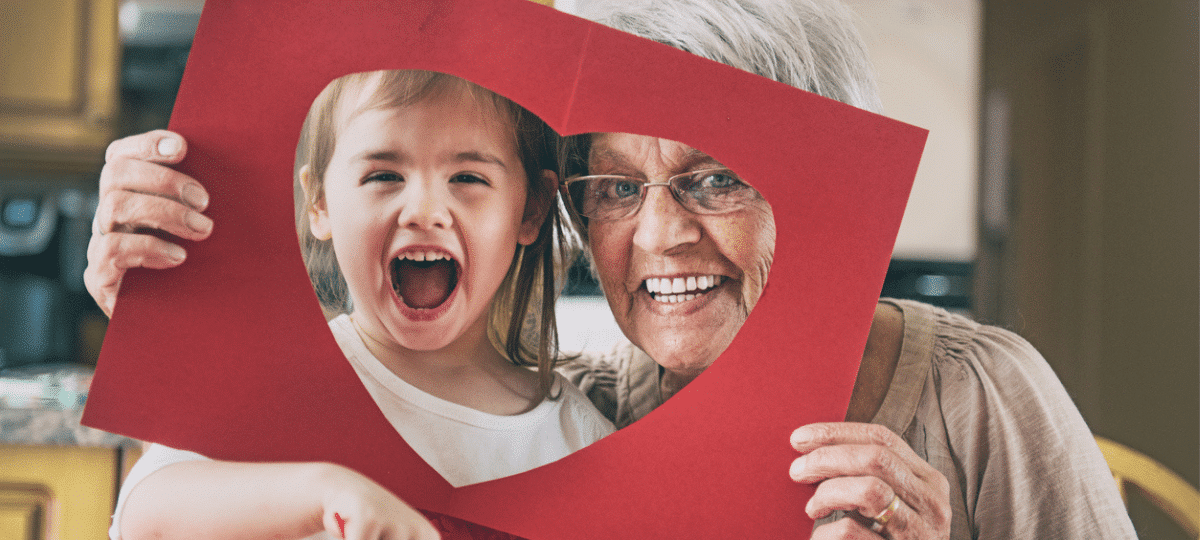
(426, 210)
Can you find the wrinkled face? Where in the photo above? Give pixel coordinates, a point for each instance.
(425, 205)
(680, 284)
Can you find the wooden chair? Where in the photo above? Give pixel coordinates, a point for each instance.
(1164, 488)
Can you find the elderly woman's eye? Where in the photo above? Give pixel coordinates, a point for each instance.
(617, 188)
(717, 191)
(717, 180)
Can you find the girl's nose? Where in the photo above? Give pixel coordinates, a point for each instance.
(424, 207)
(664, 227)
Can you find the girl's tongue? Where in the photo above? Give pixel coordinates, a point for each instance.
(423, 284)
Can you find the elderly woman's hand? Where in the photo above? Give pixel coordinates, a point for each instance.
(140, 197)
(863, 469)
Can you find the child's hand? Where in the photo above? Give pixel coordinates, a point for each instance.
(356, 508)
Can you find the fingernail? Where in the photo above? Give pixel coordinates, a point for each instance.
(195, 196)
(800, 436)
(797, 468)
(168, 147)
(176, 253)
(199, 222)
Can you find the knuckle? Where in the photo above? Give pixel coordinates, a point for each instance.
(138, 173)
(109, 201)
(146, 143)
(941, 514)
(882, 435)
(879, 492)
(162, 176)
(879, 460)
(122, 250)
(901, 528)
(107, 174)
(941, 485)
(93, 252)
(119, 207)
(822, 433)
(817, 460)
(111, 150)
(116, 173)
(90, 277)
(108, 252)
(132, 145)
(136, 260)
(131, 251)
(179, 213)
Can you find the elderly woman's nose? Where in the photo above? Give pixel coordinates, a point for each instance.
(664, 225)
(423, 207)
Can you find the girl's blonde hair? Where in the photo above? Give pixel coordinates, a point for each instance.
(521, 321)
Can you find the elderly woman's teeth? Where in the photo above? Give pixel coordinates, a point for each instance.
(680, 289)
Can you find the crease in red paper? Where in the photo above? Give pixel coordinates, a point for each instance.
(583, 52)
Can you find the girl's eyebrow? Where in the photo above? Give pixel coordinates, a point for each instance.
(459, 157)
(480, 157)
(379, 155)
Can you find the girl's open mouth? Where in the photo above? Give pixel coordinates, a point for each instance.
(424, 280)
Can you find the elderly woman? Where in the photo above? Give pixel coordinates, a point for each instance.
(955, 430)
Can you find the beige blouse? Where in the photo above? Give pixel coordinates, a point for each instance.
(977, 402)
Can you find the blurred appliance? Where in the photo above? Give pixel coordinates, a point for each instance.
(44, 232)
(158, 23)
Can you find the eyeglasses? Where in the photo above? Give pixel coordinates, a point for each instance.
(607, 197)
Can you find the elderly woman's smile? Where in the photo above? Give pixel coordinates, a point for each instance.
(680, 279)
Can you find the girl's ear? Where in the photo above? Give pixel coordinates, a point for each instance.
(537, 207)
(318, 217)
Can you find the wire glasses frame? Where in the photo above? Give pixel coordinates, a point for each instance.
(607, 197)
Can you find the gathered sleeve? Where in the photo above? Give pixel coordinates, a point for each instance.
(623, 383)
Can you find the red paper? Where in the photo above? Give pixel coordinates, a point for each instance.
(229, 355)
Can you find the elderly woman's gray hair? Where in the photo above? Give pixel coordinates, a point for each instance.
(808, 44)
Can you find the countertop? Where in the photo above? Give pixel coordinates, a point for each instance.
(43, 404)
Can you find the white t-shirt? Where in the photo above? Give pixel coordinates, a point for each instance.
(462, 444)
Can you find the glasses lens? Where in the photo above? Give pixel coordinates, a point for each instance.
(713, 191)
(605, 197)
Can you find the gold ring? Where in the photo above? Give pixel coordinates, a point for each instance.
(882, 518)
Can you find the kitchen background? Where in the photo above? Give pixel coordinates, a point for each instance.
(1058, 196)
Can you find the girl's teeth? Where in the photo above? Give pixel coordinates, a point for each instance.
(422, 256)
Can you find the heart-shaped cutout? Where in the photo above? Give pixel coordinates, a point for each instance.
(229, 355)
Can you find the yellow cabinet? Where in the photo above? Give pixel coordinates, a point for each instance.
(59, 93)
(57, 492)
